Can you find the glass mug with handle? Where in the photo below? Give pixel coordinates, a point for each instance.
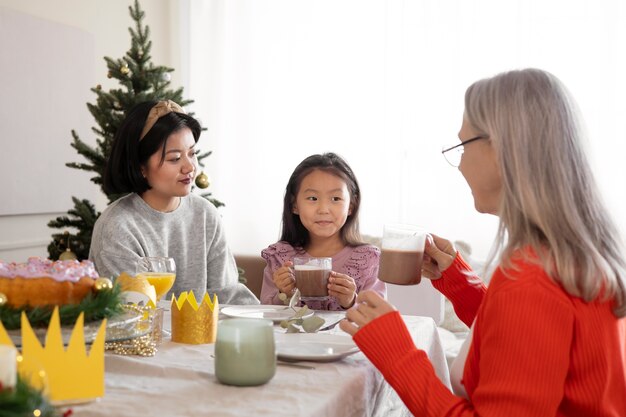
(159, 271)
(311, 275)
(402, 253)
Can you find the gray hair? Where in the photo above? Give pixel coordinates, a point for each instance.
(550, 201)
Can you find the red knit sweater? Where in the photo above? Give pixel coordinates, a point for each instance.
(536, 351)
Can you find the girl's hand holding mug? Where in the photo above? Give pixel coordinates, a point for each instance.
(343, 288)
(369, 306)
(283, 278)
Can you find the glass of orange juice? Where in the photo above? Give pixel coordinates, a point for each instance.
(159, 271)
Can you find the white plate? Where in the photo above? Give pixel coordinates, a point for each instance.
(272, 312)
(317, 347)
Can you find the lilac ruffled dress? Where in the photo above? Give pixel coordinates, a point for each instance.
(359, 262)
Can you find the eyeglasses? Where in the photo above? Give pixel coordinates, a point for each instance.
(454, 153)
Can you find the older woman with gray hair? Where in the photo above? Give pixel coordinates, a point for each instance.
(548, 337)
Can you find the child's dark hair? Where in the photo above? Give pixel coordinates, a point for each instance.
(293, 231)
(129, 153)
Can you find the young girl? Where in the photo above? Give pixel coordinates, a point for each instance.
(153, 158)
(320, 219)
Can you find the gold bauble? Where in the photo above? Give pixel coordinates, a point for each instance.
(124, 69)
(202, 180)
(103, 284)
(109, 74)
(67, 255)
(3, 299)
(99, 87)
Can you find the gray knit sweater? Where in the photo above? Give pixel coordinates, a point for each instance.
(192, 234)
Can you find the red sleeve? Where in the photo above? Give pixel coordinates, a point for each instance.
(463, 288)
(388, 345)
(524, 337)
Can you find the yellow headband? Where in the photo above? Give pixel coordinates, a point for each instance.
(159, 110)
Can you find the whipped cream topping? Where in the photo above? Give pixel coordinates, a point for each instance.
(72, 270)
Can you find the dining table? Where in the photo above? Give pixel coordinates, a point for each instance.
(179, 380)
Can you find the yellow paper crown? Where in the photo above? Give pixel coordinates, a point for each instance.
(194, 323)
(70, 374)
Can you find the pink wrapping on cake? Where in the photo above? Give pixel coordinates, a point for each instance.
(71, 270)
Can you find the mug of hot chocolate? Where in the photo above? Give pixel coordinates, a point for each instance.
(312, 276)
(402, 252)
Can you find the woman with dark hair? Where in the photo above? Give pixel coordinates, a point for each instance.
(153, 160)
(321, 219)
(548, 337)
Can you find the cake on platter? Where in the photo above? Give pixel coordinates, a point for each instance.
(41, 282)
(35, 287)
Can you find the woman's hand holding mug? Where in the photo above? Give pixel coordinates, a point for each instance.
(439, 253)
(369, 306)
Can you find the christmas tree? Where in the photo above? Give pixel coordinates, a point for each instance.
(140, 81)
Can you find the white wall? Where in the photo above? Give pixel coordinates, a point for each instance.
(269, 99)
(23, 235)
(381, 82)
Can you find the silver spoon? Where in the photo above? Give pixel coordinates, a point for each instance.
(293, 300)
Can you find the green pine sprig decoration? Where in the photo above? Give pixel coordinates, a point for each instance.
(23, 400)
(82, 217)
(103, 304)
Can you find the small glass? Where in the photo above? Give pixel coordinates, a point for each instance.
(312, 276)
(159, 271)
(245, 352)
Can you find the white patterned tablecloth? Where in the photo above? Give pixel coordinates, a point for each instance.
(180, 381)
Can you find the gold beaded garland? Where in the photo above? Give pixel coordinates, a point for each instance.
(102, 284)
(3, 299)
(143, 346)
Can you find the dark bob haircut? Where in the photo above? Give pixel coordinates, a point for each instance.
(293, 231)
(122, 174)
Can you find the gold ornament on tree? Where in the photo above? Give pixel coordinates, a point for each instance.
(3, 299)
(67, 254)
(124, 69)
(202, 180)
(103, 284)
(109, 74)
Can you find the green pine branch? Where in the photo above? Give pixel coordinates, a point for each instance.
(24, 400)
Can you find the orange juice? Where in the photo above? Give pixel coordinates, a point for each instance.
(162, 281)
